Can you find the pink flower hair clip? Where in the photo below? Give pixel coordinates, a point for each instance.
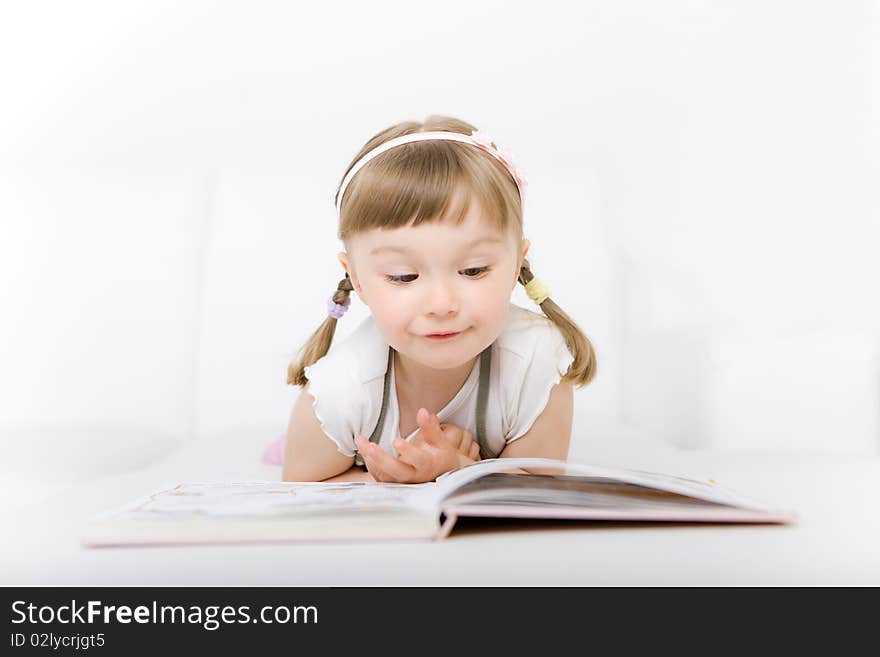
(484, 141)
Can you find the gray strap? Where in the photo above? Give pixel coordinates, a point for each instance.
(482, 400)
(377, 432)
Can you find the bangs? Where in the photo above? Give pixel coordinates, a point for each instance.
(429, 181)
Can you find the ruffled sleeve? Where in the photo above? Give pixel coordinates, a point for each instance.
(547, 364)
(336, 396)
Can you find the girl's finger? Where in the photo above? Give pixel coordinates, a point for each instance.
(372, 468)
(414, 455)
(467, 440)
(367, 455)
(396, 469)
(378, 473)
(474, 452)
(430, 426)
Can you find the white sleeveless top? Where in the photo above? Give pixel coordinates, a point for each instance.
(528, 359)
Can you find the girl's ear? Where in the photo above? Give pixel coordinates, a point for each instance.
(346, 265)
(520, 256)
(524, 249)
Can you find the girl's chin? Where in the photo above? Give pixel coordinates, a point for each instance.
(448, 361)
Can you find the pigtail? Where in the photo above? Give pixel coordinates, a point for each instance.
(318, 344)
(583, 367)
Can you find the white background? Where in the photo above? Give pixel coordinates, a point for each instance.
(703, 200)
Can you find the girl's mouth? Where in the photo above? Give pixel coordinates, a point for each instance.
(442, 336)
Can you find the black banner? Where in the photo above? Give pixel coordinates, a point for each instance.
(123, 620)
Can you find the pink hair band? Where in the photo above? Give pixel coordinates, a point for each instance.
(477, 138)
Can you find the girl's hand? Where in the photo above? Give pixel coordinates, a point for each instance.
(461, 439)
(436, 453)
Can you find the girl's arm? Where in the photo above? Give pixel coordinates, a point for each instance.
(550, 435)
(354, 473)
(309, 454)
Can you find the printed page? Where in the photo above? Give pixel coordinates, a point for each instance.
(702, 490)
(265, 511)
(540, 490)
(274, 498)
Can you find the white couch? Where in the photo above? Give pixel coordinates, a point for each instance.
(153, 307)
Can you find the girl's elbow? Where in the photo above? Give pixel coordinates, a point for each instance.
(294, 472)
(308, 470)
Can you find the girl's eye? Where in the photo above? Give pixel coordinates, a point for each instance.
(399, 279)
(478, 270)
(470, 272)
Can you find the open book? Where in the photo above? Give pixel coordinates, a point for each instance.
(245, 512)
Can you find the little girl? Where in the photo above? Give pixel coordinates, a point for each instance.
(431, 218)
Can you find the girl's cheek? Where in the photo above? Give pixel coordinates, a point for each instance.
(390, 298)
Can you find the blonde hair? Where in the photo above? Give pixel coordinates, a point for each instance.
(416, 183)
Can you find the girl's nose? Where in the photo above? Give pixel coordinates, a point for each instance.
(442, 298)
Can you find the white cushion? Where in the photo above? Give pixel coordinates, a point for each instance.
(100, 307)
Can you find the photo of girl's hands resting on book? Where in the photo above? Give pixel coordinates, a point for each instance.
(435, 450)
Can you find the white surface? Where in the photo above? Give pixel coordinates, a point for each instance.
(835, 542)
(99, 297)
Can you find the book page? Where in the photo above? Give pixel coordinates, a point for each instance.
(271, 499)
(241, 512)
(700, 490)
(538, 490)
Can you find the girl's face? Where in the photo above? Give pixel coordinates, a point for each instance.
(437, 278)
